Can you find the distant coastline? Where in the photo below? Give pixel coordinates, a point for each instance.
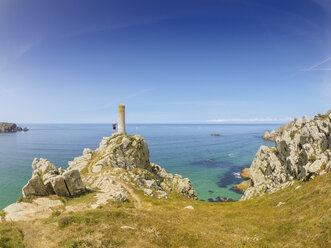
(6, 127)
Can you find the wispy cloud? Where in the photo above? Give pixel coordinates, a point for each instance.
(249, 120)
(317, 67)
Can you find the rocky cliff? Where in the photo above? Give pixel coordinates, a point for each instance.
(113, 172)
(302, 151)
(6, 127)
(47, 180)
(126, 158)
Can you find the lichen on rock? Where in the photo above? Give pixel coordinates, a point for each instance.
(47, 180)
(129, 155)
(302, 151)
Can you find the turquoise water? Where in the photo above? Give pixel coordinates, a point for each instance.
(182, 149)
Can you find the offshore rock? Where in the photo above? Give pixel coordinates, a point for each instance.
(302, 152)
(6, 127)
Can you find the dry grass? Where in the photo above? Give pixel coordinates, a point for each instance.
(304, 220)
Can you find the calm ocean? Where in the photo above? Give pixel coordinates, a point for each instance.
(182, 149)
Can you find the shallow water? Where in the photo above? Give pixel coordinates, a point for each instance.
(211, 162)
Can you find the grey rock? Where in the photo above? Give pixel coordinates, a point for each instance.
(189, 207)
(59, 186)
(149, 192)
(301, 152)
(35, 187)
(43, 165)
(49, 187)
(81, 162)
(73, 182)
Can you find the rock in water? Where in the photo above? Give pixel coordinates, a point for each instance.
(302, 151)
(243, 186)
(6, 127)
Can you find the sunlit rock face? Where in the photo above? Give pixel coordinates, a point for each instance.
(302, 151)
(129, 157)
(48, 180)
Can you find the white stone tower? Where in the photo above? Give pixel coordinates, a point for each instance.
(121, 119)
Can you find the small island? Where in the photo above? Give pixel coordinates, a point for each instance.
(6, 127)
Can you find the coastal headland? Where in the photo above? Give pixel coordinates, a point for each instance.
(6, 127)
(114, 196)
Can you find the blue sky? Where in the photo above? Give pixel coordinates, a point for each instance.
(180, 61)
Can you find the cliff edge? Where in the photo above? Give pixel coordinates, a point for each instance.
(118, 168)
(302, 151)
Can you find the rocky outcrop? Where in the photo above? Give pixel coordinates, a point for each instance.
(128, 157)
(243, 186)
(35, 186)
(114, 171)
(302, 151)
(47, 180)
(269, 135)
(245, 174)
(6, 127)
(36, 209)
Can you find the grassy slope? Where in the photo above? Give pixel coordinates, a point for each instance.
(303, 221)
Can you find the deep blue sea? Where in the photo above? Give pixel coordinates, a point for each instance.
(182, 149)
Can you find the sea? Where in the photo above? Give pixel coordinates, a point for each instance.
(212, 163)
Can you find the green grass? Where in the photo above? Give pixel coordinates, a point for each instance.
(11, 235)
(322, 117)
(28, 199)
(85, 198)
(293, 133)
(304, 220)
(2, 214)
(312, 158)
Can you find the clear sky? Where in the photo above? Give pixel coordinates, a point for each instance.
(181, 61)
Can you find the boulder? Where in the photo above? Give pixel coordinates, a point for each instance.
(73, 182)
(59, 186)
(35, 187)
(49, 187)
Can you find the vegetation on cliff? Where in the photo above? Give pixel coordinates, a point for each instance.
(303, 220)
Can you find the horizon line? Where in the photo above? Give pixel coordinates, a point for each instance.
(151, 123)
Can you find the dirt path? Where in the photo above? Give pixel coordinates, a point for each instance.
(131, 192)
(137, 203)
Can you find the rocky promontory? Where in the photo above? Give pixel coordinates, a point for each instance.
(113, 172)
(302, 151)
(126, 158)
(6, 127)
